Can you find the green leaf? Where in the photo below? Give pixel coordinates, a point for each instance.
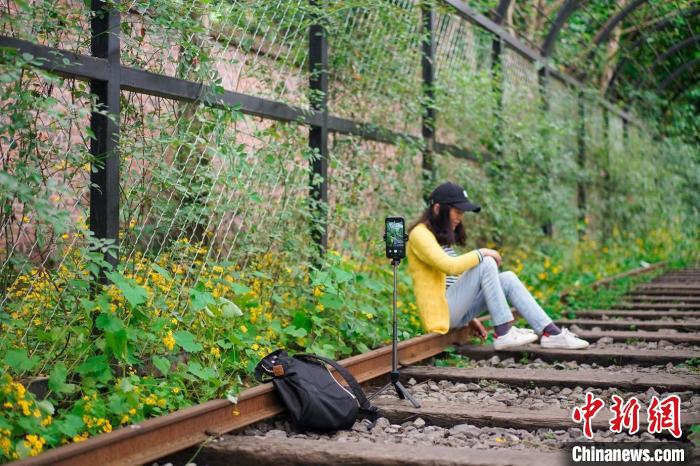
(22, 449)
(199, 298)
(331, 301)
(117, 343)
(239, 288)
(109, 322)
(295, 332)
(162, 364)
(229, 308)
(320, 277)
(204, 373)
(57, 380)
(125, 385)
(301, 320)
(224, 344)
(4, 424)
(133, 293)
(373, 284)
(162, 271)
(232, 396)
(117, 404)
(93, 365)
(45, 406)
(342, 276)
(19, 361)
(187, 341)
(70, 425)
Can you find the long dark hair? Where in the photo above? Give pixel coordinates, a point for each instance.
(441, 227)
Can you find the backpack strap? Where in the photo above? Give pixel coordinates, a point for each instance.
(349, 378)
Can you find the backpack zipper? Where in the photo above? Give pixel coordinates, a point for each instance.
(344, 389)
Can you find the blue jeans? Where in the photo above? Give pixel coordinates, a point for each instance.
(483, 287)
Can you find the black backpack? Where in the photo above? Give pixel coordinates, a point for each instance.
(314, 398)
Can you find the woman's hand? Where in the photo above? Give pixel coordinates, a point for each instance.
(491, 253)
(476, 326)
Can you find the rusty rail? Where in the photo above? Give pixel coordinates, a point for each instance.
(161, 436)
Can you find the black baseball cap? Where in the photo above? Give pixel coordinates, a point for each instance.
(453, 195)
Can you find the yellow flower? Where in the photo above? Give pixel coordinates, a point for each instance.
(244, 329)
(320, 307)
(318, 291)
(5, 445)
(169, 341)
(176, 390)
(215, 352)
(255, 347)
(542, 275)
(25, 407)
(35, 443)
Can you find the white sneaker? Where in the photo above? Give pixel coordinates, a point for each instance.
(565, 339)
(515, 337)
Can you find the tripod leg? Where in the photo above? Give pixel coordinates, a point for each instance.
(403, 394)
(379, 391)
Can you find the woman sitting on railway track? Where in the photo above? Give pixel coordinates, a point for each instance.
(471, 281)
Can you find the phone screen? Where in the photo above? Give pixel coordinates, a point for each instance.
(394, 233)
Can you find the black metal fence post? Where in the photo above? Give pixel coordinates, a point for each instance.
(318, 134)
(581, 159)
(428, 123)
(104, 176)
(543, 86)
(607, 188)
(497, 81)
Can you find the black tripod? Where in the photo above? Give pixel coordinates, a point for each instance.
(400, 389)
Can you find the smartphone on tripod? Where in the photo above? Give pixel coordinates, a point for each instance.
(395, 237)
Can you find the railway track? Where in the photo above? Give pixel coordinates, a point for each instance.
(514, 406)
(479, 406)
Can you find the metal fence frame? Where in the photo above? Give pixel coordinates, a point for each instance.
(107, 77)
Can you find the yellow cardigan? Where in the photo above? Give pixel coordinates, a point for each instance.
(428, 265)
